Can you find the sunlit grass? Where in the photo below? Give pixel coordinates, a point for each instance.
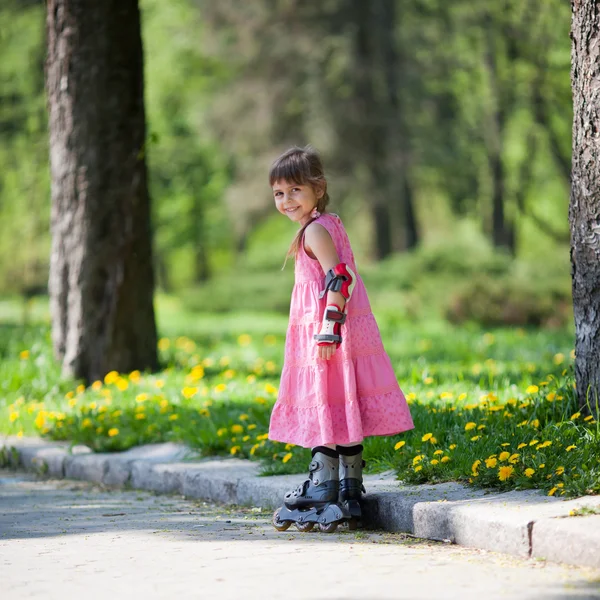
(491, 408)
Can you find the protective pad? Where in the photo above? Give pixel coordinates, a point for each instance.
(340, 279)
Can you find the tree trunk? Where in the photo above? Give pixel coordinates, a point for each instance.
(584, 210)
(101, 276)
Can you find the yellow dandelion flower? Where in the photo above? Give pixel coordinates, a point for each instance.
(237, 429)
(541, 466)
(433, 440)
(113, 431)
(513, 459)
(544, 445)
(111, 377)
(254, 449)
(435, 461)
(204, 412)
(575, 416)
(532, 389)
(491, 462)
(264, 436)
(86, 423)
(560, 470)
(234, 450)
(287, 457)
(221, 387)
(251, 378)
(559, 358)
(551, 396)
(24, 355)
(475, 438)
(428, 380)
(40, 420)
(418, 458)
(122, 384)
(189, 392)
(438, 452)
(533, 442)
(208, 362)
(244, 340)
(426, 437)
(445, 459)
(462, 396)
(560, 485)
(505, 473)
(521, 445)
(571, 447)
(141, 398)
(470, 426)
(418, 468)
(251, 426)
(222, 431)
(535, 423)
(173, 417)
(452, 446)
(164, 344)
(99, 430)
(229, 374)
(159, 383)
(140, 416)
(270, 389)
(475, 466)
(245, 438)
(13, 416)
(552, 491)
(504, 456)
(529, 472)
(399, 445)
(96, 385)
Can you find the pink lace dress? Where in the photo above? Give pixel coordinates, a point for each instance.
(353, 395)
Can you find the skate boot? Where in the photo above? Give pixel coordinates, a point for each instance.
(351, 482)
(314, 501)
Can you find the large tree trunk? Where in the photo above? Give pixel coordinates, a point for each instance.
(584, 211)
(101, 277)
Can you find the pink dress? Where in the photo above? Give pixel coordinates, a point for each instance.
(353, 395)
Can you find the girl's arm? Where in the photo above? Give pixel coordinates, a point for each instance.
(318, 241)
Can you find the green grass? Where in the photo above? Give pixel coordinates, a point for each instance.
(491, 408)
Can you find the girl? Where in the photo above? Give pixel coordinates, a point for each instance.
(337, 384)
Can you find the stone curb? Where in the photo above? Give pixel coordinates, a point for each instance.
(525, 524)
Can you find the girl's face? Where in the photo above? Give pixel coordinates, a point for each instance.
(295, 201)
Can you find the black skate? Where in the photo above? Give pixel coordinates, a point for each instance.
(314, 502)
(351, 483)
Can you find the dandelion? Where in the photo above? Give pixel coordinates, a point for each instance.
(533, 442)
(13, 416)
(559, 358)
(24, 355)
(435, 461)
(462, 396)
(140, 416)
(96, 385)
(229, 374)
(529, 472)
(513, 459)
(40, 420)
(475, 438)
(544, 445)
(264, 436)
(270, 389)
(159, 383)
(532, 389)
(552, 491)
(426, 437)
(254, 449)
(221, 387)
(428, 380)
(244, 340)
(204, 412)
(560, 470)
(491, 462)
(445, 459)
(287, 457)
(189, 392)
(541, 466)
(234, 450)
(575, 416)
(504, 456)
(99, 430)
(535, 423)
(505, 473)
(251, 378)
(399, 445)
(113, 431)
(470, 426)
(222, 431)
(237, 428)
(452, 446)
(475, 466)
(173, 417)
(438, 452)
(111, 377)
(418, 458)
(141, 398)
(551, 396)
(418, 468)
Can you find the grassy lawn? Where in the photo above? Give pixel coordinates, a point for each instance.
(492, 408)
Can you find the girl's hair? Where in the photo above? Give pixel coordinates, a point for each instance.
(302, 166)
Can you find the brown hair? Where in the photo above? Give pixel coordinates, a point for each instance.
(302, 166)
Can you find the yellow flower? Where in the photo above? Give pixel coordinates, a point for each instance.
(264, 436)
(470, 426)
(251, 426)
(504, 473)
(521, 445)
(588, 418)
(251, 378)
(99, 430)
(426, 437)
(452, 446)
(399, 445)
(229, 374)
(552, 491)
(254, 449)
(96, 385)
(418, 468)
(204, 412)
(532, 389)
(221, 387)
(164, 344)
(535, 423)
(222, 431)
(529, 472)
(475, 466)
(237, 429)
(575, 416)
(551, 396)
(433, 440)
(140, 416)
(514, 458)
(141, 398)
(544, 445)
(189, 392)
(533, 442)
(491, 462)
(417, 459)
(173, 417)
(287, 457)
(435, 461)
(13, 416)
(40, 420)
(270, 389)
(112, 432)
(541, 466)
(244, 340)
(504, 456)
(559, 358)
(234, 450)
(86, 423)
(24, 355)
(122, 384)
(475, 438)
(111, 377)
(438, 452)
(445, 459)
(571, 447)
(159, 383)
(560, 470)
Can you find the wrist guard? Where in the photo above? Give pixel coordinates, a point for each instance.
(340, 279)
(331, 330)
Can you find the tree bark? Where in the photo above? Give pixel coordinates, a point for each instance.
(101, 275)
(584, 210)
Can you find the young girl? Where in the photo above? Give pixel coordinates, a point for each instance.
(337, 384)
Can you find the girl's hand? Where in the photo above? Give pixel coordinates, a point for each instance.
(326, 352)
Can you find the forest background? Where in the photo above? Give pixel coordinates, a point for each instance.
(445, 128)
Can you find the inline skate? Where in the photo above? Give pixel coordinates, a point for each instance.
(314, 502)
(351, 483)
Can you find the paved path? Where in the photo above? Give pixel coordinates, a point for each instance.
(64, 539)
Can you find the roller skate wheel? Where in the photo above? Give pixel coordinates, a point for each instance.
(328, 528)
(304, 527)
(278, 523)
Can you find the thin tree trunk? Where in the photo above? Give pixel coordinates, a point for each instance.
(101, 276)
(584, 210)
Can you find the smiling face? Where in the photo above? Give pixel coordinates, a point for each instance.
(294, 200)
